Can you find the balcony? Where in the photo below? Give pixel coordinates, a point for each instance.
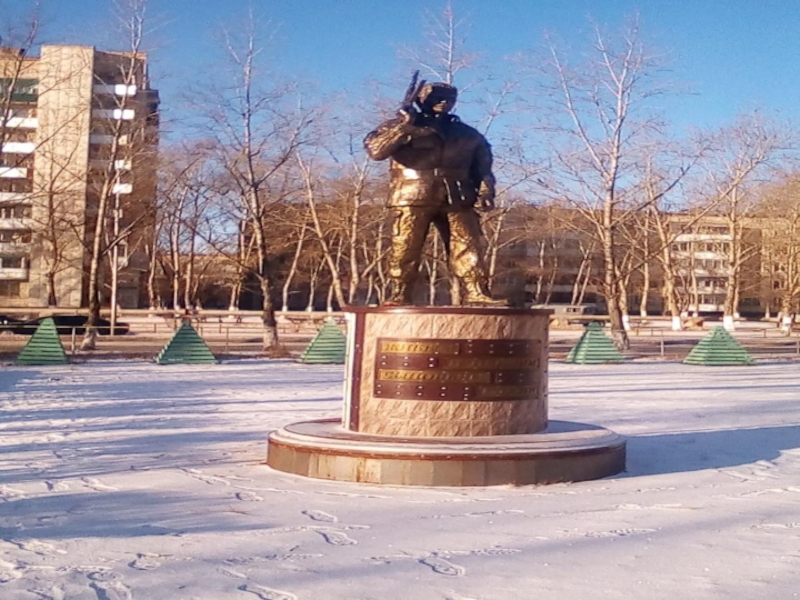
(13, 197)
(701, 273)
(23, 122)
(13, 274)
(119, 164)
(13, 172)
(19, 147)
(124, 114)
(14, 248)
(122, 188)
(119, 89)
(703, 237)
(15, 223)
(99, 138)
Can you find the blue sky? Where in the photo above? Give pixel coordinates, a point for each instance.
(732, 55)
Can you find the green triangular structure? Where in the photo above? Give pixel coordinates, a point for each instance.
(44, 347)
(328, 346)
(594, 347)
(718, 349)
(186, 347)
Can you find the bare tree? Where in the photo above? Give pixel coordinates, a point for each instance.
(601, 123)
(744, 154)
(185, 217)
(43, 204)
(257, 129)
(300, 233)
(129, 138)
(779, 215)
(18, 75)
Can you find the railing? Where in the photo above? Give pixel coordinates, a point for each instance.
(240, 333)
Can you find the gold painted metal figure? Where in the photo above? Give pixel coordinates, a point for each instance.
(440, 171)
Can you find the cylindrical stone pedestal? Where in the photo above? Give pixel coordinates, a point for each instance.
(446, 371)
(446, 396)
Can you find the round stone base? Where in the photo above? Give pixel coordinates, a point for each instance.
(565, 451)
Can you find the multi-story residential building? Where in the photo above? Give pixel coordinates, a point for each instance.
(704, 253)
(77, 125)
(564, 266)
(703, 267)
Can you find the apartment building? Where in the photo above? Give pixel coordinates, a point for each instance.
(77, 126)
(703, 249)
(560, 264)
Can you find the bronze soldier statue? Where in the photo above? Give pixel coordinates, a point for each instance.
(440, 171)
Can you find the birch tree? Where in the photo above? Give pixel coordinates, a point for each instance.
(599, 118)
(745, 153)
(779, 213)
(258, 122)
(128, 142)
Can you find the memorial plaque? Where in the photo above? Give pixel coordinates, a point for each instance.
(458, 370)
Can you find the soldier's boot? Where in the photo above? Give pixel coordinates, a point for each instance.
(478, 294)
(400, 296)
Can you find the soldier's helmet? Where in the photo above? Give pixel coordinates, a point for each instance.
(435, 93)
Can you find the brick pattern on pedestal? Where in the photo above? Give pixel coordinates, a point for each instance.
(445, 375)
(446, 396)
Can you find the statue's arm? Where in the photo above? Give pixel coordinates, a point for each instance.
(485, 177)
(391, 135)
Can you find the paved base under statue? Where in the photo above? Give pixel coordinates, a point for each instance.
(564, 451)
(446, 396)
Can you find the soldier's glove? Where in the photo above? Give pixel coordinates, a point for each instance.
(408, 115)
(485, 201)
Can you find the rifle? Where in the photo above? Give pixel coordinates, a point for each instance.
(407, 105)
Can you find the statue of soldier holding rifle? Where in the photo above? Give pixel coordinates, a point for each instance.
(440, 172)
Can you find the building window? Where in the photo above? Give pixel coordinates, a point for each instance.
(9, 289)
(11, 262)
(15, 211)
(15, 186)
(15, 236)
(22, 90)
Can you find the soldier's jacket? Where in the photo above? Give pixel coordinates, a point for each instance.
(450, 163)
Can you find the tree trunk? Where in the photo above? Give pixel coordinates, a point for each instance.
(271, 344)
(645, 289)
(52, 299)
(611, 286)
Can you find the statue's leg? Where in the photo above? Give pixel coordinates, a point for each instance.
(409, 229)
(466, 260)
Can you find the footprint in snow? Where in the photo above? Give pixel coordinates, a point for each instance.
(102, 574)
(37, 547)
(56, 486)
(111, 590)
(443, 566)
(9, 571)
(495, 552)
(777, 526)
(7, 493)
(336, 538)
(318, 515)
(54, 593)
(145, 561)
(265, 593)
(107, 585)
(232, 573)
(209, 479)
(248, 497)
(619, 533)
(98, 485)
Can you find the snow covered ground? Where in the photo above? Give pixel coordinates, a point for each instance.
(124, 480)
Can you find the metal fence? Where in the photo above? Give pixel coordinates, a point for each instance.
(233, 334)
